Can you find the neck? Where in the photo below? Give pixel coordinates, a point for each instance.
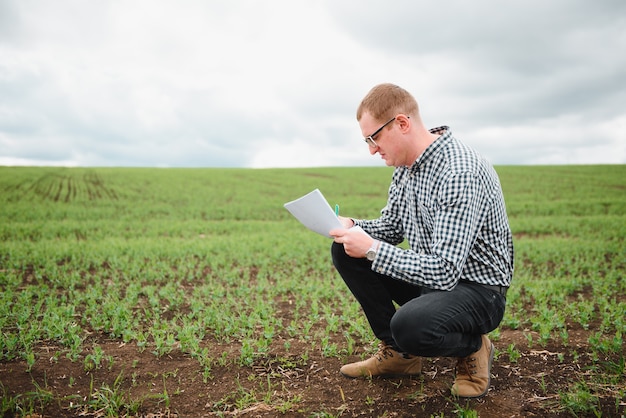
(423, 140)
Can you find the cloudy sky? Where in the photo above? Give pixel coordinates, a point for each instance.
(275, 83)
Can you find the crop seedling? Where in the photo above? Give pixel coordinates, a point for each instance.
(205, 266)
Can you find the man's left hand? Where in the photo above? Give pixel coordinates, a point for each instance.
(355, 241)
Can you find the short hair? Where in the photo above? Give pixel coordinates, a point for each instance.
(384, 101)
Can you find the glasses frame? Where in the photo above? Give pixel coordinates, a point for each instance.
(369, 140)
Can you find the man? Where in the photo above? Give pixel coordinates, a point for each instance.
(450, 285)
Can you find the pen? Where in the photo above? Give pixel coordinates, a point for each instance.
(337, 210)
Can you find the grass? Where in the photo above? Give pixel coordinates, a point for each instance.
(156, 257)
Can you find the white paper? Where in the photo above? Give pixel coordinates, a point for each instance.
(314, 212)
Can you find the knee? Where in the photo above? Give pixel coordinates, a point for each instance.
(350, 269)
(404, 331)
(411, 333)
(338, 254)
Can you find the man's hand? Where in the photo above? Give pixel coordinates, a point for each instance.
(346, 222)
(355, 241)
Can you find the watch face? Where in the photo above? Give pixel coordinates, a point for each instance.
(371, 255)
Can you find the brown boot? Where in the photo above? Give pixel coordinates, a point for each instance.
(385, 363)
(473, 373)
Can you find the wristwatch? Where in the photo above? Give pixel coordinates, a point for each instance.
(371, 253)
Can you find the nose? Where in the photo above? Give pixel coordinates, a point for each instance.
(374, 150)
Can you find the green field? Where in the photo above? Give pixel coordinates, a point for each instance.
(206, 267)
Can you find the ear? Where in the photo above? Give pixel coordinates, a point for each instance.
(404, 122)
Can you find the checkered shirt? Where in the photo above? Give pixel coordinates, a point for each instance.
(450, 208)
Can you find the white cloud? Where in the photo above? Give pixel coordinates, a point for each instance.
(304, 153)
(276, 83)
(564, 140)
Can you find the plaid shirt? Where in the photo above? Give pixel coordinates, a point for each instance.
(450, 208)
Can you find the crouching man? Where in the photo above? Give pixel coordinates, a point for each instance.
(445, 199)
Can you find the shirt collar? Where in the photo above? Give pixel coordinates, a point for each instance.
(445, 134)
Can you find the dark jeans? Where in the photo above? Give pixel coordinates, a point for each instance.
(428, 323)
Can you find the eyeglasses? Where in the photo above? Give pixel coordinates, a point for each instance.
(369, 140)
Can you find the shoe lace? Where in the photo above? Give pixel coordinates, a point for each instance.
(466, 367)
(383, 353)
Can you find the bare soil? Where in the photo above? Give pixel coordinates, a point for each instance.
(281, 383)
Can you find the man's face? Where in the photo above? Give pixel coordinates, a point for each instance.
(383, 140)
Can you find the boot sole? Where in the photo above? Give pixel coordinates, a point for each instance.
(380, 376)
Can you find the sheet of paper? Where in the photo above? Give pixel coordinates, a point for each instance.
(314, 212)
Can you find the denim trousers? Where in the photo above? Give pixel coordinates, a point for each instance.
(418, 320)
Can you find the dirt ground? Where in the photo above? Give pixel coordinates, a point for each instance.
(283, 384)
